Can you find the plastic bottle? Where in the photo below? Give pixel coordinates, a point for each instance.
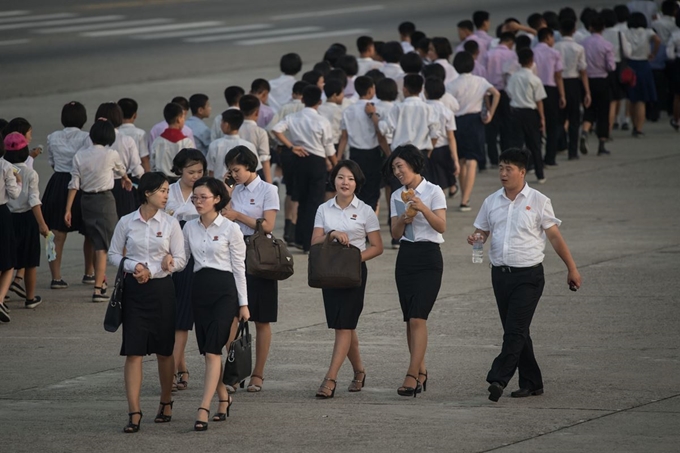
(50, 247)
(478, 249)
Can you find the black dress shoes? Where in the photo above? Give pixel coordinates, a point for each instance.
(495, 391)
(523, 393)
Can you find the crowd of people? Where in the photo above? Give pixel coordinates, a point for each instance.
(415, 118)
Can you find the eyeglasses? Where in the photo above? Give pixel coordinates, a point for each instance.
(196, 200)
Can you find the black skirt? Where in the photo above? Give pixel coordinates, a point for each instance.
(126, 200)
(470, 137)
(54, 205)
(148, 317)
(214, 300)
(8, 251)
(263, 299)
(99, 218)
(418, 273)
(184, 282)
(343, 306)
(442, 167)
(26, 240)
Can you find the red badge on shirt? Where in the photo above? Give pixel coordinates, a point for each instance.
(252, 201)
(216, 238)
(159, 234)
(354, 216)
(528, 208)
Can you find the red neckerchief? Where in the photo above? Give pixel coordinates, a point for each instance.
(173, 135)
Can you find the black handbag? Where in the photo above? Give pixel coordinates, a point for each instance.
(239, 363)
(114, 311)
(333, 265)
(266, 256)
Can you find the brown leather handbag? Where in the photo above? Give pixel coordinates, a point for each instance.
(266, 256)
(333, 265)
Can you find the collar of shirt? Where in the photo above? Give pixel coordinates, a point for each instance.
(420, 188)
(354, 203)
(219, 220)
(253, 184)
(524, 192)
(251, 122)
(309, 111)
(138, 216)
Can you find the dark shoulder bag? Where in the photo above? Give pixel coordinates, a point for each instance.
(266, 256)
(333, 265)
(239, 363)
(114, 311)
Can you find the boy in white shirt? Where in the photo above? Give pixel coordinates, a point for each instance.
(444, 157)
(159, 128)
(281, 87)
(232, 95)
(332, 108)
(366, 48)
(251, 132)
(232, 120)
(166, 146)
(406, 29)
(200, 110)
(128, 128)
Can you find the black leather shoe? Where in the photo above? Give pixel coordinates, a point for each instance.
(523, 393)
(495, 391)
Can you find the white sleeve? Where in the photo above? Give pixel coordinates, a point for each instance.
(177, 249)
(372, 223)
(482, 220)
(319, 219)
(237, 249)
(271, 199)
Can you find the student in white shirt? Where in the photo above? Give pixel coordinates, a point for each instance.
(152, 243)
(232, 120)
(348, 63)
(673, 53)
(331, 109)
(311, 140)
(25, 128)
(366, 48)
(166, 146)
(232, 95)
(200, 110)
(61, 147)
(252, 200)
(348, 220)
(260, 89)
(129, 108)
(251, 132)
(444, 166)
(161, 127)
(93, 172)
(10, 188)
(406, 29)
(219, 294)
(190, 165)
(391, 52)
(281, 87)
(440, 52)
(519, 219)
(418, 212)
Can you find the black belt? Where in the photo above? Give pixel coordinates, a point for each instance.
(510, 270)
(96, 193)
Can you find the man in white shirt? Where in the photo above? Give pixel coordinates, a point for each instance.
(518, 219)
(200, 110)
(366, 48)
(232, 120)
(282, 86)
(129, 108)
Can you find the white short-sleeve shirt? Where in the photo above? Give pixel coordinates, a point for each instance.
(447, 121)
(469, 90)
(179, 207)
(30, 191)
(253, 200)
(356, 220)
(63, 145)
(433, 197)
(219, 149)
(525, 89)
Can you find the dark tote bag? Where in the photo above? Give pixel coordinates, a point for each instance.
(266, 256)
(114, 311)
(333, 265)
(239, 363)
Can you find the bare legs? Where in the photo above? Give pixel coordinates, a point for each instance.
(262, 345)
(638, 113)
(88, 255)
(416, 336)
(346, 346)
(468, 173)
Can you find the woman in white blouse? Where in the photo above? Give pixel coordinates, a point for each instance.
(153, 246)
(253, 199)
(219, 294)
(347, 220)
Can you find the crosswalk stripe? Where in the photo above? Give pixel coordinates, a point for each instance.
(79, 28)
(49, 23)
(14, 42)
(300, 37)
(205, 31)
(13, 13)
(39, 17)
(282, 31)
(133, 31)
(329, 12)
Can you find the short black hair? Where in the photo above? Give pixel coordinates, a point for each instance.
(260, 86)
(334, 87)
(411, 63)
(129, 107)
(338, 74)
(353, 167)
(171, 112)
(587, 15)
(362, 84)
(545, 33)
(73, 114)
(464, 62)
(349, 64)
(299, 86)
(150, 182)
(434, 88)
(409, 154)
(534, 20)
(434, 70)
(186, 157)
(423, 44)
(197, 101)
(622, 13)
(111, 111)
(597, 23)
(234, 118)
(507, 36)
(290, 64)
(241, 155)
(471, 46)
(217, 188)
(567, 27)
(16, 156)
(515, 156)
(311, 95)
(181, 100)
(232, 95)
(466, 25)
(636, 20)
(525, 56)
(323, 67)
(391, 52)
(522, 42)
(364, 43)
(406, 28)
(669, 7)
(479, 17)
(248, 104)
(416, 37)
(312, 77)
(552, 20)
(102, 132)
(413, 83)
(609, 17)
(333, 53)
(567, 13)
(442, 47)
(376, 75)
(387, 90)
(18, 124)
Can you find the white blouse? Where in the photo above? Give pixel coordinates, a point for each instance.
(30, 191)
(177, 206)
(8, 182)
(253, 200)
(63, 145)
(433, 197)
(356, 220)
(94, 169)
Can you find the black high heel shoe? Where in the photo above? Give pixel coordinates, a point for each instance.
(222, 416)
(320, 394)
(132, 427)
(161, 417)
(410, 391)
(424, 382)
(200, 425)
(356, 384)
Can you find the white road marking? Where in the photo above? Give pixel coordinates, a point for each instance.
(39, 17)
(205, 31)
(133, 31)
(13, 42)
(282, 31)
(79, 28)
(13, 13)
(300, 37)
(48, 23)
(329, 12)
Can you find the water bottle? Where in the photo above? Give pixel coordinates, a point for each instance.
(478, 249)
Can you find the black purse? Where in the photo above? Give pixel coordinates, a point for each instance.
(239, 363)
(333, 265)
(114, 311)
(266, 256)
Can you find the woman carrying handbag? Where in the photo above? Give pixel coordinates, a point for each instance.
(154, 248)
(348, 220)
(253, 199)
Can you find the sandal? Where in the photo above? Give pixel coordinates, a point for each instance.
(181, 384)
(222, 416)
(410, 391)
(321, 394)
(132, 427)
(424, 383)
(201, 425)
(356, 385)
(161, 417)
(253, 388)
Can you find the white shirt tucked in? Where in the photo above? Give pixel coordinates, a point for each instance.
(254, 134)
(333, 113)
(281, 90)
(94, 169)
(433, 197)
(525, 89)
(411, 122)
(356, 220)
(128, 152)
(470, 91)
(179, 207)
(253, 200)
(63, 145)
(445, 119)
(218, 151)
(573, 57)
(163, 152)
(9, 189)
(138, 135)
(517, 227)
(361, 132)
(308, 129)
(220, 247)
(30, 190)
(147, 243)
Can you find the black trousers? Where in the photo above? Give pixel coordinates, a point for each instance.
(517, 294)
(572, 113)
(598, 112)
(370, 162)
(310, 186)
(551, 110)
(499, 125)
(526, 124)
